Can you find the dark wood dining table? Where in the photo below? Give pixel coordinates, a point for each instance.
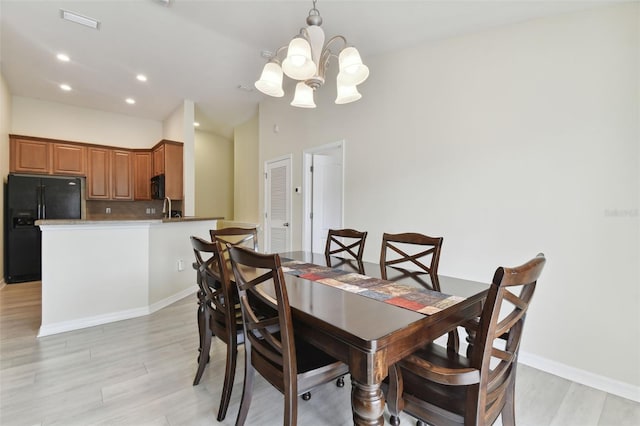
(367, 334)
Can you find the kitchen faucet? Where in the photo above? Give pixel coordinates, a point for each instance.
(165, 212)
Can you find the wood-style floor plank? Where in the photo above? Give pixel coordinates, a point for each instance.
(140, 372)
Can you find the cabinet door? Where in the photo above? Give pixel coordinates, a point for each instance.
(122, 175)
(98, 173)
(142, 176)
(173, 171)
(158, 161)
(69, 159)
(29, 156)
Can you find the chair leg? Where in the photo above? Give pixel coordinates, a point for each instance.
(395, 404)
(229, 375)
(203, 359)
(509, 410)
(247, 387)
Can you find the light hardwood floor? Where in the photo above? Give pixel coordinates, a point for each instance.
(139, 372)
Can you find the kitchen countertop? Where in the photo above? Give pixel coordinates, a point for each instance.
(117, 221)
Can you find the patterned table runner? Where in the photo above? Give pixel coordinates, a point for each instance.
(409, 296)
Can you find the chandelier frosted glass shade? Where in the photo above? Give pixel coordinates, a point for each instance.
(352, 70)
(303, 97)
(347, 93)
(270, 82)
(307, 59)
(298, 63)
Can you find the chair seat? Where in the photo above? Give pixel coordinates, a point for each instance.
(451, 398)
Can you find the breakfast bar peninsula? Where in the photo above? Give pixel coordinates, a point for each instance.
(101, 271)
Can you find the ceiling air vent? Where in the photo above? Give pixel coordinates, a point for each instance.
(80, 19)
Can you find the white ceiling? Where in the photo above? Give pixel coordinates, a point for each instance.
(203, 50)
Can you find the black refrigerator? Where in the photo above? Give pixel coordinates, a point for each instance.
(29, 198)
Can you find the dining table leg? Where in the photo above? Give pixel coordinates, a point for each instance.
(367, 369)
(367, 402)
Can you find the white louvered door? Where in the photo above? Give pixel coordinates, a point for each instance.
(278, 206)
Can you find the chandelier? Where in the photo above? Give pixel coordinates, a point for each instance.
(307, 59)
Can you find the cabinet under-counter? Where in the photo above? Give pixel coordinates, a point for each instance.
(100, 271)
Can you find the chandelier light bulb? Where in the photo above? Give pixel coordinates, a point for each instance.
(270, 82)
(303, 98)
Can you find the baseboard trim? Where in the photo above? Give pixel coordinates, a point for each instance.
(614, 387)
(64, 326)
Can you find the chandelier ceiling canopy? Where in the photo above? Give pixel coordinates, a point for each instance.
(307, 58)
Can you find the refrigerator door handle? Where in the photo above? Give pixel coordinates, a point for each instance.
(39, 201)
(43, 205)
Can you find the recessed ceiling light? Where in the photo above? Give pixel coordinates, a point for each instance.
(196, 124)
(65, 87)
(141, 77)
(79, 19)
(130, 101)
(63, 57)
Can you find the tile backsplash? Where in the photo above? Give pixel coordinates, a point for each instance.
(121, 210)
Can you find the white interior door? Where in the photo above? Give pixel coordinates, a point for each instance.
(323, 195)
(278, 205)
(326, 198)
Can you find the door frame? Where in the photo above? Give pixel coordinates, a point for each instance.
(307, 179)
(267, 192)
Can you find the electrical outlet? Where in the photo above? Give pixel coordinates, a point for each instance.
(180, 265)
(148, 210)
(107, 210)
(153, 210)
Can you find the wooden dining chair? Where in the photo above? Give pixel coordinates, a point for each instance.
(415, 256)
(286, 361)
(441, 388)
(247, 237)
(408, 252)
(218, 315)
(345, 244)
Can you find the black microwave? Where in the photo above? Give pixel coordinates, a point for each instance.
(157, 187)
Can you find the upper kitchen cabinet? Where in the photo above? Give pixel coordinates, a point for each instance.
(142, 173)
(167, 160)
(110, 174)
(29, 155)
(121, 174)
(98, 173)
(46, 156)
(69, 159)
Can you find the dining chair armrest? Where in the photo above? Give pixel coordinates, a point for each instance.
(444, 375)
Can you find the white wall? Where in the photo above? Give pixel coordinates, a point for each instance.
(214, 175)
(5, 122)
(178, 126)
(508, 142)
(34, 117)
(246, 176)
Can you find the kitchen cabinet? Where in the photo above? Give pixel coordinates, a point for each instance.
(168, 160)
(121, 174)
(109, 174)
(158, 159)
(29, 155)
(98, 173)
(46, 156)
(69, 159)
(142, 173)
